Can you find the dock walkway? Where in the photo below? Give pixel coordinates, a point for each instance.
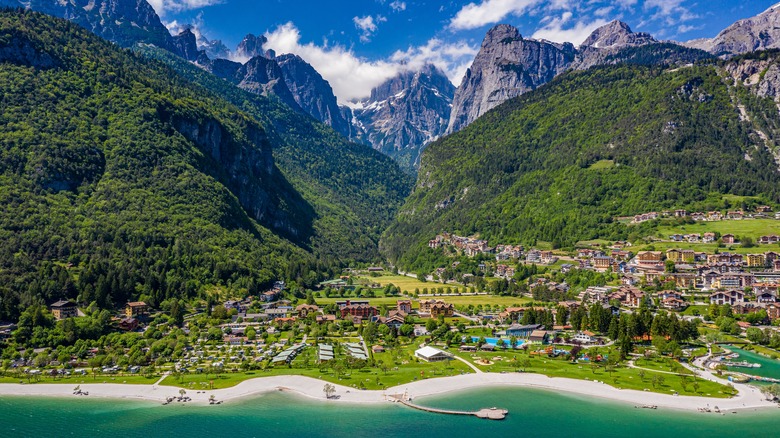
(487, 413)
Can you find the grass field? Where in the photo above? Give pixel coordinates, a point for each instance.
(602, 164)
(754, 228)
(462, 300)
(620, 377)
(408, 283)
(130, 379)
(709, 248)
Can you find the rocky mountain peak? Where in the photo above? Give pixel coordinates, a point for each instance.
(251, 46)
(187, 44)
(312, 92)
(124, 22)
(405, 113)
(502, 33)
(756, 33)
(616, 34)
(506, 66)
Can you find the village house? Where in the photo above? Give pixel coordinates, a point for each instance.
(404, 306)
(693, 238)
(628, 296)
(511, 313)
(768, 240)
(425, 305)
(394, 319)
(708, 237)
(602, 263)
(621, 255)
(731, 297)
(735, 215)
(128, 324)
(763, 209)
(63, 309)
(728, 282)
(755, 260)
(725, 258)
(547, 257)
(442, 309)
(673, 302)
(649, 257)
(728, 239)
(135, 309)
(685, 280)
(538, 336)
(305, 310)
(358, 310)
(773, 311)
(584, 337)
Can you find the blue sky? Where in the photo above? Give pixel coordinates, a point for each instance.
(357, 44)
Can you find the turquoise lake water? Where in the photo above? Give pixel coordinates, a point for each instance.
(769, 367)
(531, 413)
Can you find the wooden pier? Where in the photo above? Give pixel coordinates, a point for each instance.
(487, 413)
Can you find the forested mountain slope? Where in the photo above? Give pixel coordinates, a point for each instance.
(354, 189)
(120, 180)
(560, 163)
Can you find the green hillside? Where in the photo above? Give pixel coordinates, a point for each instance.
(120, 180)
(355, 191)
(559, 164)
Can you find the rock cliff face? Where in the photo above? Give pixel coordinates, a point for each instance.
(506, 66)
(405, 113)
(259, 75)
(509, 65)
(251, 46)
(186, 45)
(311, 92)
(125, 22)
(748, 35)
(616, 34)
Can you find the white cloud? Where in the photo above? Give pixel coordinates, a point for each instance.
(558, 29)
(398, 6)
(353, 77)
(350, 76)
(670, 11)
(367, 26)
(164, 6)
(475, 15)
(603, 12)
(452, 58)
(683, 28)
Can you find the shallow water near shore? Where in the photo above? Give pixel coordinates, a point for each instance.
(531, 413)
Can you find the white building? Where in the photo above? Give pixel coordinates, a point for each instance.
(430, 354)
(584, 338)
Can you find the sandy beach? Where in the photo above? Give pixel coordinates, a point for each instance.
(748, 398)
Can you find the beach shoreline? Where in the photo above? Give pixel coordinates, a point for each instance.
(749, 398)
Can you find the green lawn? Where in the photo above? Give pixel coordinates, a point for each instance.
(754, 228)
(622, 376)
(408, 284)
(462, 300)
(130, 379)
(602, 164)
(709, 248)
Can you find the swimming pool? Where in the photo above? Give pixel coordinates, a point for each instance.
(494, 341)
